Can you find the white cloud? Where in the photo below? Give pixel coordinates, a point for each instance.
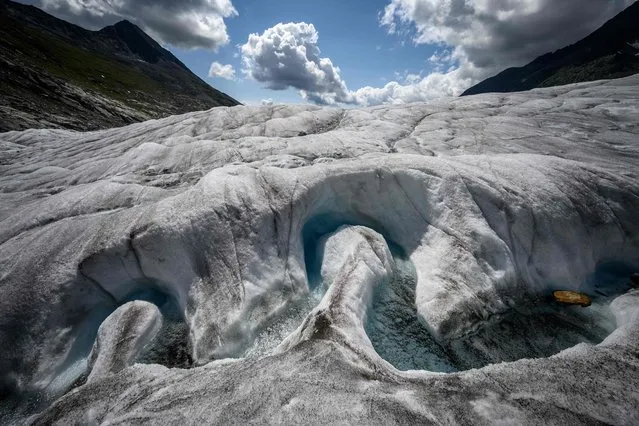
(267, 102)
(412, 78)
(441, 59)
(189, 24)
(486, 36)
(414, 89)
(223, 71)
(287, 55)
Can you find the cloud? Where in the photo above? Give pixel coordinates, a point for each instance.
(267, 102)
(287, 55)
(442, 59)
(407, 77)
(486, 36)
(186, 24)
(223, 71)
(414, 89)
(412, 78)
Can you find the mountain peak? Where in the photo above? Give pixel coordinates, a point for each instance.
(125, 22)
(135, 40)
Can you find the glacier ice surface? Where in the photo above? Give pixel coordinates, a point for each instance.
(301, 264)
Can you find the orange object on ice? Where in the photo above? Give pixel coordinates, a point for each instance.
(572, 297)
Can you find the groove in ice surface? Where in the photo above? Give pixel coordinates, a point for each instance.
(539, 330)
(171, 346)
(271, 335)
(394, 328)
(294, 313)
(539, 327)
(532, 329)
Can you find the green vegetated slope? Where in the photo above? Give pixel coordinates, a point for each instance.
(56, 74)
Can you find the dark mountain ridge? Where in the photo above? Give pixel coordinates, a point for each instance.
(131, 39)
(57, 74)
(609, 52)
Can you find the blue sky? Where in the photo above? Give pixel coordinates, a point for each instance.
(349, 34)
(348, 52)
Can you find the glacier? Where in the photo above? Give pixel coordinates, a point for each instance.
(304, 264)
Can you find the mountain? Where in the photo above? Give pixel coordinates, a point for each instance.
(56, 74)
(610, 52)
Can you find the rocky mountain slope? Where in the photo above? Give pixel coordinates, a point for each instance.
(310, 265)
(56, 74)
(610, 52)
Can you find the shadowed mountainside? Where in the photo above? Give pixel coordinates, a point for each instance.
(56, 74)
(610, 52)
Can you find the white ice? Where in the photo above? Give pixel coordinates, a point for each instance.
(470, 211)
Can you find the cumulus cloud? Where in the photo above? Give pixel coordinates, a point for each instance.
(412, 78)
(414, 89)
(486, 36)
(442, 59)
(287, 55)
(223, 71)
(186, 24)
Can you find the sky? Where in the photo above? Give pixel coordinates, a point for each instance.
(348, 52)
